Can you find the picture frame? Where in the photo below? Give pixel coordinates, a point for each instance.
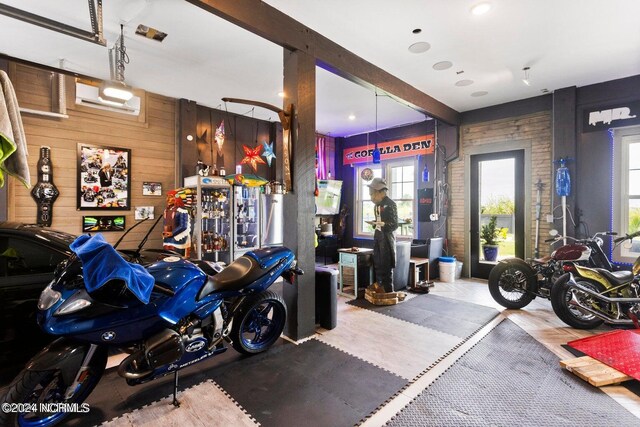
(152, 189)
(103, 178)
(144, 212)
(103, 223)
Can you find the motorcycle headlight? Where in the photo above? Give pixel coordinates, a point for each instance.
(72, 306)
(48, 298)
(77, 302)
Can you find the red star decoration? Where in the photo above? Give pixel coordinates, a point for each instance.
(252, 156)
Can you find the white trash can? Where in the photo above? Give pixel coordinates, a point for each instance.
(447, 269)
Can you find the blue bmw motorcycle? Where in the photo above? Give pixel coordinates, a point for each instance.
(166, 316)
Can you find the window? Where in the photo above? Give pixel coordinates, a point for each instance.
(401, 178)
(364, 205)
(20, 257)
(626, 207)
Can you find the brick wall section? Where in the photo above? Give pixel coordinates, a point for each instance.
(534, 128)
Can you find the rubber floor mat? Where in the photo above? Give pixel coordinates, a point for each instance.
(619, 349)
(442, 314)
(509, 379)
(311, 384)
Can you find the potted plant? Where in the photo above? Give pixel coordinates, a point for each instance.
(490, 235)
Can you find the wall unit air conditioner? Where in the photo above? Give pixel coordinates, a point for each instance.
(88, 96)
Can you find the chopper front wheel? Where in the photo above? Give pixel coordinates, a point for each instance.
(258, 323)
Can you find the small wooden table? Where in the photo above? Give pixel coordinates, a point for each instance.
(414, 270)
(358, 259)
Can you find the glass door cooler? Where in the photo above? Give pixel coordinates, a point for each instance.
(213, 235)
(246, 217)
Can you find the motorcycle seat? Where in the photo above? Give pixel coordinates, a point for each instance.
(616, 277)
(542, 260)
(237, 275)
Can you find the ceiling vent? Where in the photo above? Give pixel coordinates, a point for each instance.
(89, 96)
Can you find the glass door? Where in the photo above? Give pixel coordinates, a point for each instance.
(497, 209)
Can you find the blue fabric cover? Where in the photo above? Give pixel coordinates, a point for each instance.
(101, 263)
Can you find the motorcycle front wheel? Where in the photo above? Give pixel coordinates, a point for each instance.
(40, 392)
(572, 316)
(258, 323)
(508, 285)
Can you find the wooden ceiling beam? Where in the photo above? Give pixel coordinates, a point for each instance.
(270, 23)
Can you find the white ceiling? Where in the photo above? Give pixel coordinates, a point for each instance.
(564, 42)
(205, 58)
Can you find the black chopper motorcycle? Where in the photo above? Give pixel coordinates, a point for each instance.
(514, 282)
(586, 297)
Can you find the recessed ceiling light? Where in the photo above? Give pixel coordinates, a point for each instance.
(464, 82)
(352, 117)
(479, 93)
(481, 8)
(442, 65)
(281, 94)
(417, 31)
(419, 47)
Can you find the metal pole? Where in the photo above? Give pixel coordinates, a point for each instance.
(539, 186)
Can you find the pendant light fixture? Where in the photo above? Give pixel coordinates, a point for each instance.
(376, 150)
(116, 91)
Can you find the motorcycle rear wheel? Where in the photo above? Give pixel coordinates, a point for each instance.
(508, 285)
(28, 388)
(560, 297)
(258, 323)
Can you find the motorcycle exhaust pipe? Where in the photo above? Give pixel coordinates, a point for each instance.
(602, 297)
(576, 303)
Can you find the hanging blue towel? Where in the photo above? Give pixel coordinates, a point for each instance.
(101, 263)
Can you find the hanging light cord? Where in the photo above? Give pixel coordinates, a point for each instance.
(376, 92)
(121, 56)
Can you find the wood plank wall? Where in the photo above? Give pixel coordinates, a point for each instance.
(151, 138)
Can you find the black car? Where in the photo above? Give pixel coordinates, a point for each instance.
(28, 256)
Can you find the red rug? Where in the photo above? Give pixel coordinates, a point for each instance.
(619, 349)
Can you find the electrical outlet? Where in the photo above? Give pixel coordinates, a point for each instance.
(549, 218)
(433, 217)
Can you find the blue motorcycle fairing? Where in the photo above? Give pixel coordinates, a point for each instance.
(176, 274)
(259, 285)
(187, 280)
(122, 326)
(268, 257)
(199, 353)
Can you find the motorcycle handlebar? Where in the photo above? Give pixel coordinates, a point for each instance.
(627, 237)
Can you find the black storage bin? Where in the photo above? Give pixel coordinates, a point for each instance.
(326, 297)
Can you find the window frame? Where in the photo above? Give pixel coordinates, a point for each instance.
(386, 174)
(622, 140)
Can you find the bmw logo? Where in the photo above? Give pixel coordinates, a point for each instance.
(108, 336)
